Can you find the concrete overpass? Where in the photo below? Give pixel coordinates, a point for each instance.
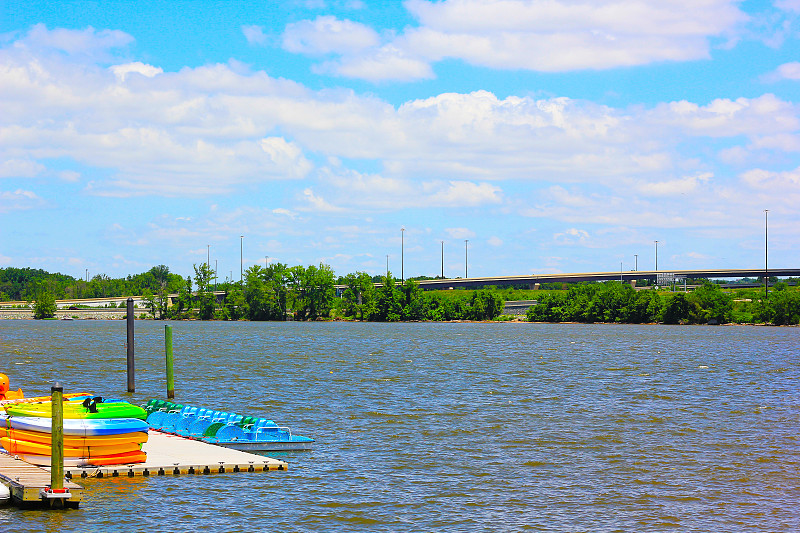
(534, 279)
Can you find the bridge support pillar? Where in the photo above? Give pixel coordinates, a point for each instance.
(533, 286)
(633, 283)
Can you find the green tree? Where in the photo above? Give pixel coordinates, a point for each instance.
(266, 292)
(312, 291)
(389, 302)
(359, 296)
(486, 305)
(235, 304)
(709, 304)
(413, 301)
(45, 306)
(206, 301)
(676, 309)
(183, 305)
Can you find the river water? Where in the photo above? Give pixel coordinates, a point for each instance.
(451, 427)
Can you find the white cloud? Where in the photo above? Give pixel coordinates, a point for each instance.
(688, 184)
(460, 233)
(284, 212)
(382, 64)
(121, 71)
(20, 168)
(377, 192)
(788, 182)
(19, 200)
(318, 204)
(541, 35)
(788, 5)
(88, 42)
(786, 71)
(572, 236)
(254, 34)
(327, 34)
(495, 241)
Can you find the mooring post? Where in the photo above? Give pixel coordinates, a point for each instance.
(170, 374)
(131, 368)
(57, 438)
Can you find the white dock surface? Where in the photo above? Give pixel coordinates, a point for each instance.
(173, 455)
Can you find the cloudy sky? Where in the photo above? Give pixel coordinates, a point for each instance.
(553, 135)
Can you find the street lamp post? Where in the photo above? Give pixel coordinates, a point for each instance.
(387, 266)
(466, 256)
(636, 262)
(442, 259)
(402, 264)
(766, 242)
(215, 274)
(656, 256)
(241, 258)
(208, 255)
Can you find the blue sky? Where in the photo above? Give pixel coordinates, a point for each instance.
(553, 135)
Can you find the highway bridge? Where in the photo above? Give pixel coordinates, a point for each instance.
(533, 280)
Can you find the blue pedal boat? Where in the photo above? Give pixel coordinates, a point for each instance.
(231, 430)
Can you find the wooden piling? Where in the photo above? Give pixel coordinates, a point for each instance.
(131, 367)
(57, 438)
(168, 350)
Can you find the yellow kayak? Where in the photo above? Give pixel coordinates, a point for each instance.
(138, 437)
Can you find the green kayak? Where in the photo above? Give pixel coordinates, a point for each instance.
(91, 407)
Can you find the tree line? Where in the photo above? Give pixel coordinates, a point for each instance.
(280, 292)
(26, 284)
(616, 302)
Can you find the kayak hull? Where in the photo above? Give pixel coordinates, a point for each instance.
(117, 459)
(77, 427)
(74, 409)
(139, 437)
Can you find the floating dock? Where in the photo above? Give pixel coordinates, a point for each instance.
(169, 455)
(26, 483)
(166, 455)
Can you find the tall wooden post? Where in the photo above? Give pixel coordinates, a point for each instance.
(57, 438)
(170, 373)
(131, 366)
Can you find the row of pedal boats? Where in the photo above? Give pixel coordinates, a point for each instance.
(100, 431)
(223, 428)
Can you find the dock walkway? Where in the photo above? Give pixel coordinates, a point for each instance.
(174, 455)
(26, 482)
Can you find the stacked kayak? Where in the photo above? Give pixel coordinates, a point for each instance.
(222, 428)
(96, 432)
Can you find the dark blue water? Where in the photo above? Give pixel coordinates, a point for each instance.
(454, 427)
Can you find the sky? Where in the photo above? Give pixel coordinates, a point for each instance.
(479, 137)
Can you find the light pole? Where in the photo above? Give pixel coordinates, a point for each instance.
(215, 274)
(656, 256)
(402, 274)
(442, 259)
(635, 262)
(387, 266)
(466, 256)
(87, 275)
(266, 261)
(208, 255)
(241, 258)
(620, 271)
(766, 242)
